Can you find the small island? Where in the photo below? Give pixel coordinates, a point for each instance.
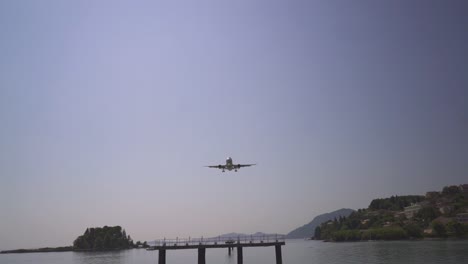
(94, 239)
(105, 238)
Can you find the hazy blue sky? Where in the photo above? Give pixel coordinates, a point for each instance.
(109, 110)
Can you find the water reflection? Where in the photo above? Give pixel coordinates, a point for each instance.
(108, 257)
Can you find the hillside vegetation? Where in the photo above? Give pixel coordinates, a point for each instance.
(438, 214)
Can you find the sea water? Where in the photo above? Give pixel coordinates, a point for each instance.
(294, 252)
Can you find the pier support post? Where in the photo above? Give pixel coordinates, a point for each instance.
(201, 255)
(239, 255)
(279, 259)
(162, 256)
(229, 251)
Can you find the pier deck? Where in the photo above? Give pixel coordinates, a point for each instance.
(201, 244)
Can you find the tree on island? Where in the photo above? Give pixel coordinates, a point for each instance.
(105, 238)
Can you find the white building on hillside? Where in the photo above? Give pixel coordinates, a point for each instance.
(410, 211)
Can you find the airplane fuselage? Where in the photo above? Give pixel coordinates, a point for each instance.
(230, 165)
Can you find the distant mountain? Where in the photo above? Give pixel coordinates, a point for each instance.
(241, 235)
(232, 235)
(308, 229)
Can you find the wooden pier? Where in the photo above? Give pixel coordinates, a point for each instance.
(230, 243)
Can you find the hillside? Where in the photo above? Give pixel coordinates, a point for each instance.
(437, 214)
(308, 229)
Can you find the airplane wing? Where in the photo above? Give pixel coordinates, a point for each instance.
(245, 165)
(217, 166)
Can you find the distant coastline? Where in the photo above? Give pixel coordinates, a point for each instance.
(39, 250)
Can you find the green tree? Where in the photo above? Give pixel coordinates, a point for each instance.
(99, 244)
(395, 203)
(346, 235)
(107, 242)
(317, 232)
(107, 238)
(439, 229)
(451, 190)
(81, 243)
(414, 230)
(353, 223)
(456, 228)
(428, 214)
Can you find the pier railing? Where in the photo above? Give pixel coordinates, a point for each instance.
(259, 239)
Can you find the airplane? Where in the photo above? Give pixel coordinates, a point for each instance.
(230, 166)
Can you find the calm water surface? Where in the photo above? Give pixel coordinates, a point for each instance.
(295, 252)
